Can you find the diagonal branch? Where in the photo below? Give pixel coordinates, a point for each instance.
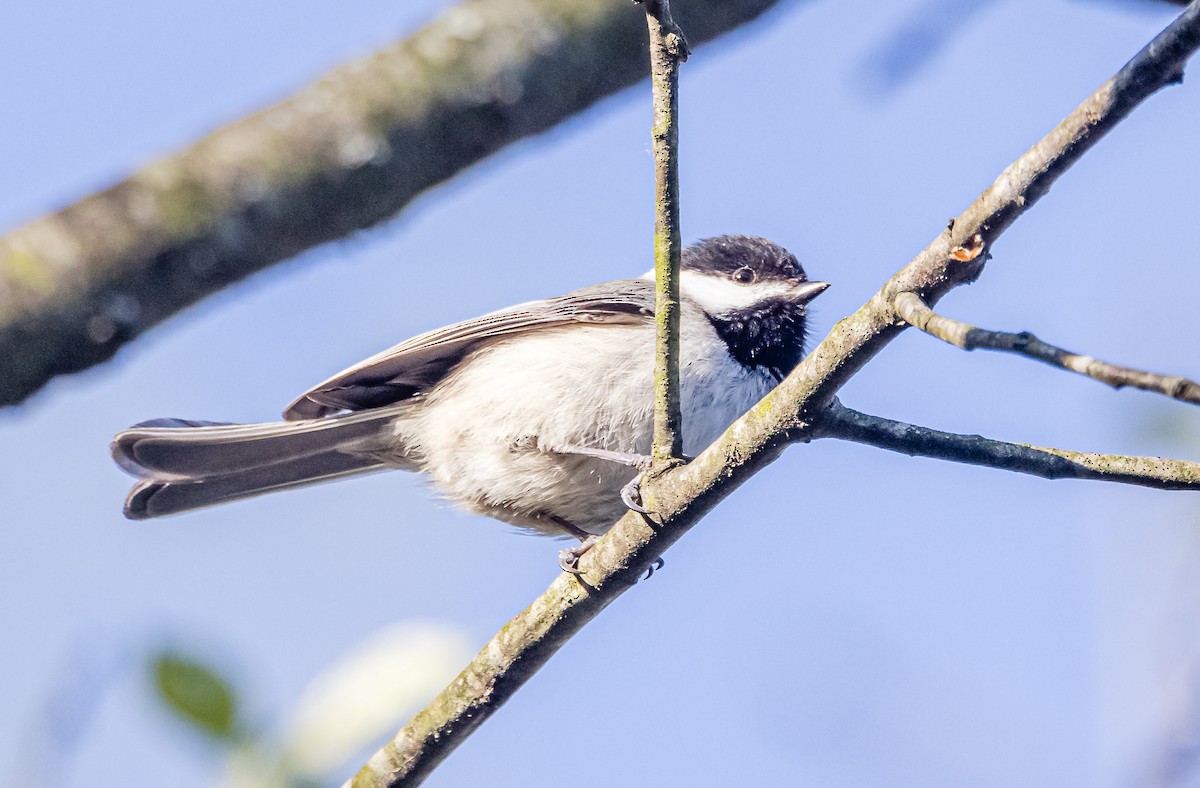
(917, 314)
(790, 413)
(344, 153)
(1157, 472)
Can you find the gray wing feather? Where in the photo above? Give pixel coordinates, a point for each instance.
(419, 363)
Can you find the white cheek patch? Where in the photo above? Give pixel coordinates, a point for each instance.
(720, 296)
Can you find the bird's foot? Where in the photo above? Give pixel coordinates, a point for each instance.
(631, 494)
(568, 559)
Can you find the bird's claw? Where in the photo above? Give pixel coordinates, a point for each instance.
(568, 562)
(631, 495)
(568, 559)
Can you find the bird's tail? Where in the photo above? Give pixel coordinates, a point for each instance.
(184, 465)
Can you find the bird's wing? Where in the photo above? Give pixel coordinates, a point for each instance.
(414, 366)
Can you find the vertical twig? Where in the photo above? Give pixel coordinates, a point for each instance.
(668, 49)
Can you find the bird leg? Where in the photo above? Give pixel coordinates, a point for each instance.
(639, 461)
(631, 493)
(568, 559)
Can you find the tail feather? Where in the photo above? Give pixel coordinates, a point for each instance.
(186, 465)
(199, 448)
(156, 497)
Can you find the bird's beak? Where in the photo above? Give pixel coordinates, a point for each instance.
(803, 293)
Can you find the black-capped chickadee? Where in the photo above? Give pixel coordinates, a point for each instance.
(532, 415)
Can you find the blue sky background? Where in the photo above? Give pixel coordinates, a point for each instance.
(849, 618)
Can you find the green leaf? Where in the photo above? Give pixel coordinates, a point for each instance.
(196, 693)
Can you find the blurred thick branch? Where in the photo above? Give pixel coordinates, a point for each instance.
(798, 410)
(344, 153)
(968, 337)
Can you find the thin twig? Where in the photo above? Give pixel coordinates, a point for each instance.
(918, 314)
(1157, 472)
(791, 412)
(668, 48)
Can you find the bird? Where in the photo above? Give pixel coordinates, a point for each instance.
(538, 415)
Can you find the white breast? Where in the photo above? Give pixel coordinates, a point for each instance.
(488, 434)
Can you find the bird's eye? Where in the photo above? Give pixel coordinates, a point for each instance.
(743, 275)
